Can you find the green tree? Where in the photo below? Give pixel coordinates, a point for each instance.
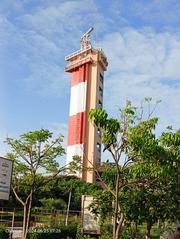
(52, 203)
(156, 174)
(130, 140)
(171, 142)
(60, 187)
(34, 154)
(143, 181)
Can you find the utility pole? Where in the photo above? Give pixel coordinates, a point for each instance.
(68, 207)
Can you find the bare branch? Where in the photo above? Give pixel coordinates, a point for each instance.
(21, 155)
(50, 178)
(49, 148)
(17, 197)
(153, 110)
(99, 177)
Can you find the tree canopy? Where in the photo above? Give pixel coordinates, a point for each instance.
(34, 153)
(146, 167)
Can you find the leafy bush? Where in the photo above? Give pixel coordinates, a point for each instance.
(51, 203)
(80, 236)
(85, 237)
(126, 233)
(106, 231)
(3, 233)
(130, 233)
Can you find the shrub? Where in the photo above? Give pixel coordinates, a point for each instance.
(106, 231)
(126, 233)
(85, 237)
(3, 232)
(130, 233)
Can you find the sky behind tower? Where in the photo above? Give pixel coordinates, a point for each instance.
(140, 38)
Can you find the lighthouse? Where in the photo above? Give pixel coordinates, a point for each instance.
(86, 67)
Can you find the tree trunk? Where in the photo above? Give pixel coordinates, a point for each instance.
(158, 224)
(119, 227)
(116, 206)
(24, 221)
(28, 215)
(148, 231)
(69, 202)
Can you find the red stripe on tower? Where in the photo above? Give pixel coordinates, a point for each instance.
(76, 130)
(79, 75)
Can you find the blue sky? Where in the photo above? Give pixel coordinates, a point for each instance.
(141, 39)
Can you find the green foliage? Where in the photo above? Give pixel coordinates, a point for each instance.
(33, 153)
(75, 165)
(78, 188)
(106, 231)
(84, 237)
(60, 187)
(79, 234)
(171, 140)
(34, 150)
(130, 233)
(114, 131)
(51, 203)
(108, 174)
(145, 174)
(102, 205)
(108, 126)
(142, 140)
(3, 232)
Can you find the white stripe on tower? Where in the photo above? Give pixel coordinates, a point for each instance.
(78, 98)
(77, 113)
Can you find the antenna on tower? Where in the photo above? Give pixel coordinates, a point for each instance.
(85, 39)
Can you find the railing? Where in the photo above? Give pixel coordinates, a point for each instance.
(14, 218)
(68, 57)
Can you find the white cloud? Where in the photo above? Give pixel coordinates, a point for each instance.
(144, 63)
(159, 13)
(164, 11)
(9, 6)
(40, 39)
(62, 21)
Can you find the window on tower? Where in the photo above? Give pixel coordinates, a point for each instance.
(98, 146)
(100, 92)
(99, 104)
(101, 77)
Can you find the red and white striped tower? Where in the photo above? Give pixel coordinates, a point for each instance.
(87, 68)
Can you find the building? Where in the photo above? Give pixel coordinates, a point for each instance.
(87, 68)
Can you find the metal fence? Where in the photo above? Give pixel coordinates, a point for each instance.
(39, 217)
(12, 219)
